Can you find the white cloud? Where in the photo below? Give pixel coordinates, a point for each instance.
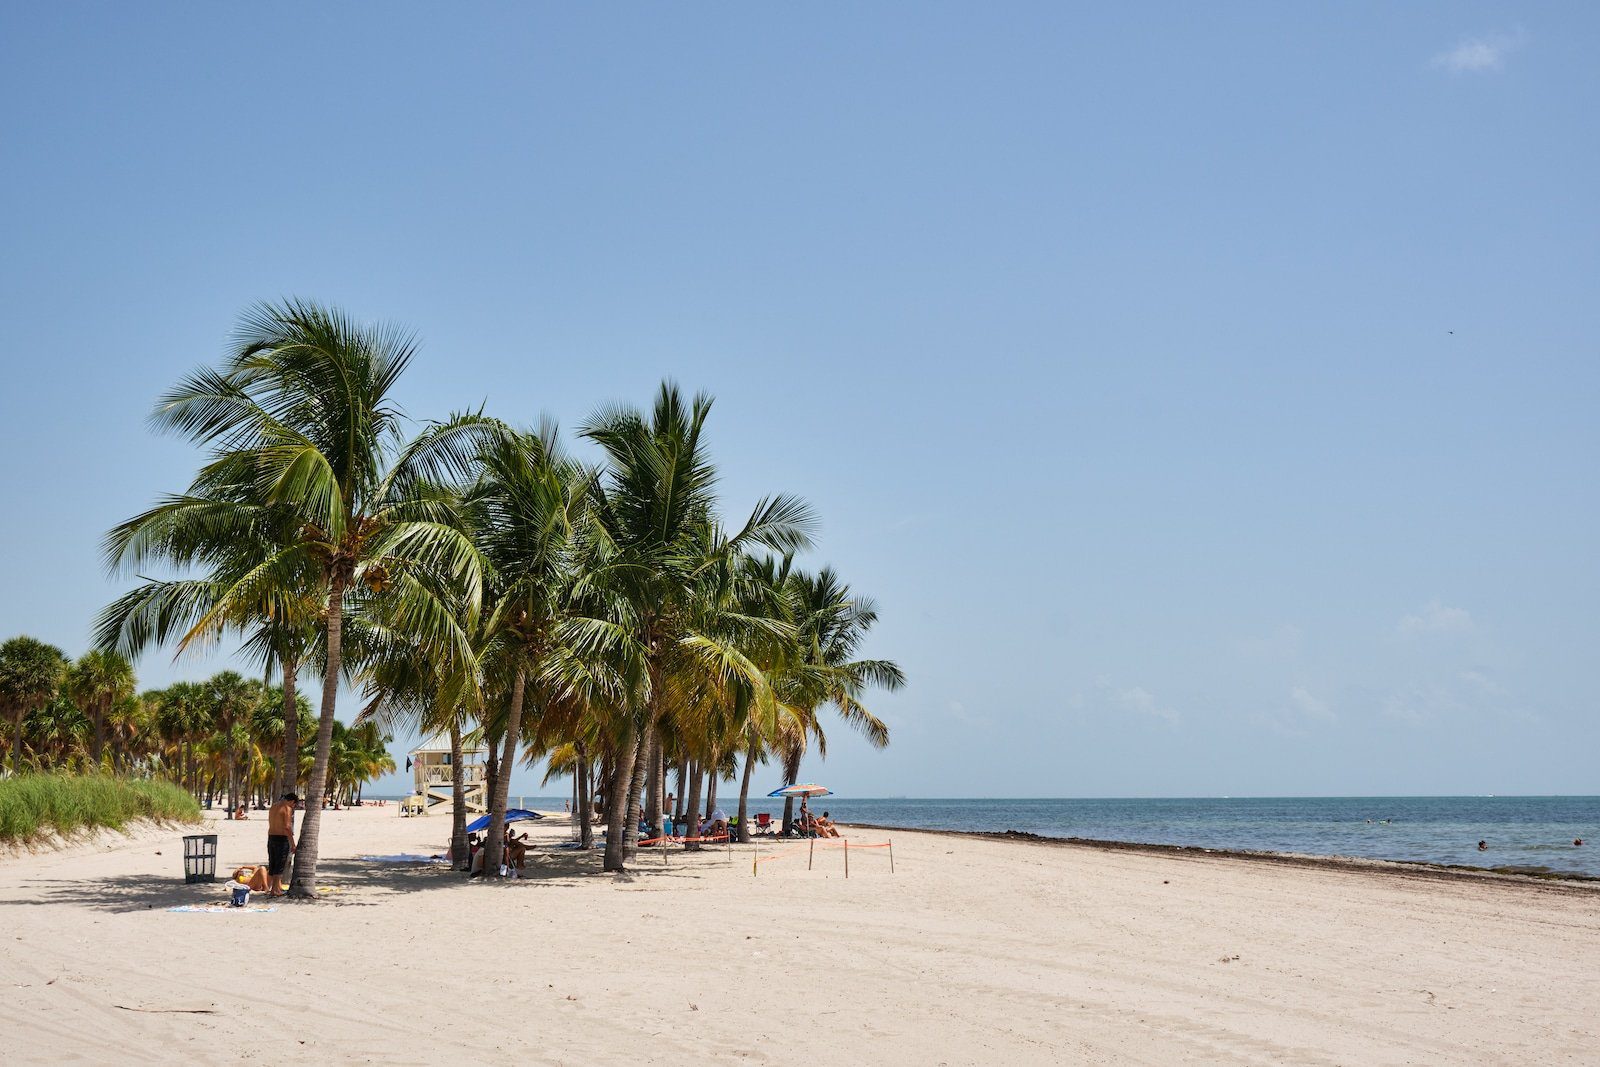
(1132, 700)
(1310, 706)
(1481, 683)
(1140, 701)
(1292, 718)
(1466, 695)
(958, 711)
(1436, 618)
(1421, 703)
(1478, 55)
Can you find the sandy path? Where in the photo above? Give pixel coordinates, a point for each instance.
(974, 951)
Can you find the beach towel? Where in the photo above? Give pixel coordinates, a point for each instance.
(404, 857)
(222, 908)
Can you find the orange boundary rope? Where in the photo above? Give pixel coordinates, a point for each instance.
(798, 846)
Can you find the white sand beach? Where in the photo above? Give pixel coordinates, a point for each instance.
(972, 951)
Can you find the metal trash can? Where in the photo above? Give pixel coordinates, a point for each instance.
(200, 858)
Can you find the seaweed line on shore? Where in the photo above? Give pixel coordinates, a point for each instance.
(1412, 869)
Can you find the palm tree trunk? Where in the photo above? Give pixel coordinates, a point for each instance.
(680, 798)
(691, 808)
(582, 811)
(99, 742)
(791, 771)
(617, 799)
(304, 884)
(661, 783)
(652, 787)
(458, 799)
(502, 786)
(491, 765)
(16, 740)
(744, 795)
(233, 777)
(291, 726)
(636, 787)
(711, 786)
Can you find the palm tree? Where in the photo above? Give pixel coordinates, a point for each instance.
(232, 698)
(306, 442)
(128, 731)
(408, 684)
(833, 622)
(58, 735)
(31, 673)
(524, 511)
(280, 626)
(97, 681)
(658, 543)
(182, 718)
(370, 758)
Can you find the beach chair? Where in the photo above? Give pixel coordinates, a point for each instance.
(763, 822)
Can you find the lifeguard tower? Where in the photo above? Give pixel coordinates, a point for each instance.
(430, 765)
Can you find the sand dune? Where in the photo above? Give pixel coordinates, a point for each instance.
(973, 951)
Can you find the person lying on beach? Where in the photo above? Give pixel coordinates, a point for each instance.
(825, 826)
(255, 876)
(714, 828)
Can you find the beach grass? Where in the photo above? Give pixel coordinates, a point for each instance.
(36, 805)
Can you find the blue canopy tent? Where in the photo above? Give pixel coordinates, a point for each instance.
(481, 823)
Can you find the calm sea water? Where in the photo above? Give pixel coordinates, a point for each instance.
(1535, 832)
(1521, 831)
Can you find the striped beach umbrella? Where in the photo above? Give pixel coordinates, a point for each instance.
(803, 790)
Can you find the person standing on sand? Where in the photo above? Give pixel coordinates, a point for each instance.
(280, 842)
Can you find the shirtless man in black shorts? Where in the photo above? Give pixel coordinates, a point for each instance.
(280, 842)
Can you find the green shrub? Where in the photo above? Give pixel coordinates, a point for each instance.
(33, 805)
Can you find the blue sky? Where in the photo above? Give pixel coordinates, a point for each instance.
(1208, 396)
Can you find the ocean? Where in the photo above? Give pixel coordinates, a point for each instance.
(1522, 832)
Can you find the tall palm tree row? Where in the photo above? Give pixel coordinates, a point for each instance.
(475, 578)
(220, 738)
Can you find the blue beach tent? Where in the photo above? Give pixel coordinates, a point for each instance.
(481, 823)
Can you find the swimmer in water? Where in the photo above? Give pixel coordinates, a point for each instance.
(1483, 846)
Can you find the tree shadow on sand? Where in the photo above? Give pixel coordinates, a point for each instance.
(347, 882)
